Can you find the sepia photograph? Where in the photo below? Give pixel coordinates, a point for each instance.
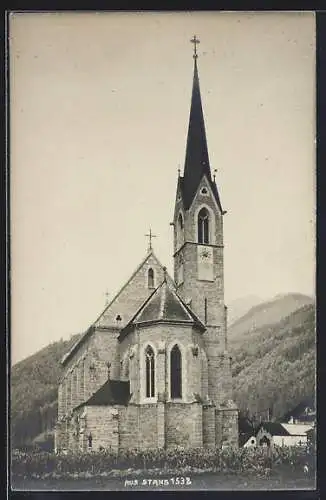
(162, 249)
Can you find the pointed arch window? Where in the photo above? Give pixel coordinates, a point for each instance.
(180, 222)
(176, 373)
(150, 278)
(150, 372)
(203, 226)
(180, 230)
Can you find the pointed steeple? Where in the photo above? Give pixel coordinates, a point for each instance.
(197, 159)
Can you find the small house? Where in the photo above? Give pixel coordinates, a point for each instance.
(274, 433)
(247, 440)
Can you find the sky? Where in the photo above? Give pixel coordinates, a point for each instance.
(99, 108)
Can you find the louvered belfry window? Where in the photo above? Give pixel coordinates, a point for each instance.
(150, 372)
(176, 373)
(203, 226)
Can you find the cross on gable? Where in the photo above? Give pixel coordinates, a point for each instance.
(150, 235)
(195, 41)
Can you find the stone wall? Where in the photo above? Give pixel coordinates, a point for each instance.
(138, 426)
(87, 370)
(209, 426)
(183, 425)
(229, 427)
(103, 426)
(148, 426)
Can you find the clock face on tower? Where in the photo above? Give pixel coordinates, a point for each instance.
(205, 263)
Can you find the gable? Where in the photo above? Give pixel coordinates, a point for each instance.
(210, 198)
(131, 296)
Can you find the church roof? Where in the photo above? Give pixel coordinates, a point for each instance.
(163, 305)
(197, 160)
(113, 392)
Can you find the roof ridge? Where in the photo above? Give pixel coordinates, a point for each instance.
(163, 300)
(146, 301)
(189, 311)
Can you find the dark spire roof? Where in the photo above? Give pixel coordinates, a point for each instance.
(197, 159)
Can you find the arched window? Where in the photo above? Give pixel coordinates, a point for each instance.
(150, 372)
(180, 230)
(203, 226)
(176, 373)
(180, 222)
(150, 278)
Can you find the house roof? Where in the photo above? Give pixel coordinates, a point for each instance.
(163, 305)
(197, 160)
(297, 429)
(244, 437)
(113, 392)
(273, 428)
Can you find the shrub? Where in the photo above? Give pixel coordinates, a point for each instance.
(259, 460)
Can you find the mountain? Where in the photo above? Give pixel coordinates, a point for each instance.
(267, 313)
(34, 384)
(238, 307)
(274, 365)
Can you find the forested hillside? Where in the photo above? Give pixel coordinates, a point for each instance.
(34, 385)
(274, 365)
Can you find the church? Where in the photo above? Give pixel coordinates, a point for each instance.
(153, 371)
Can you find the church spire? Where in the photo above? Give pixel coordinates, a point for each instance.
(197, 159)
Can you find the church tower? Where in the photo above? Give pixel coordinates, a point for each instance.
(198, 246)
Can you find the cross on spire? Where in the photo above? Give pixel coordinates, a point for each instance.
(150, 235)
(195, 41)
